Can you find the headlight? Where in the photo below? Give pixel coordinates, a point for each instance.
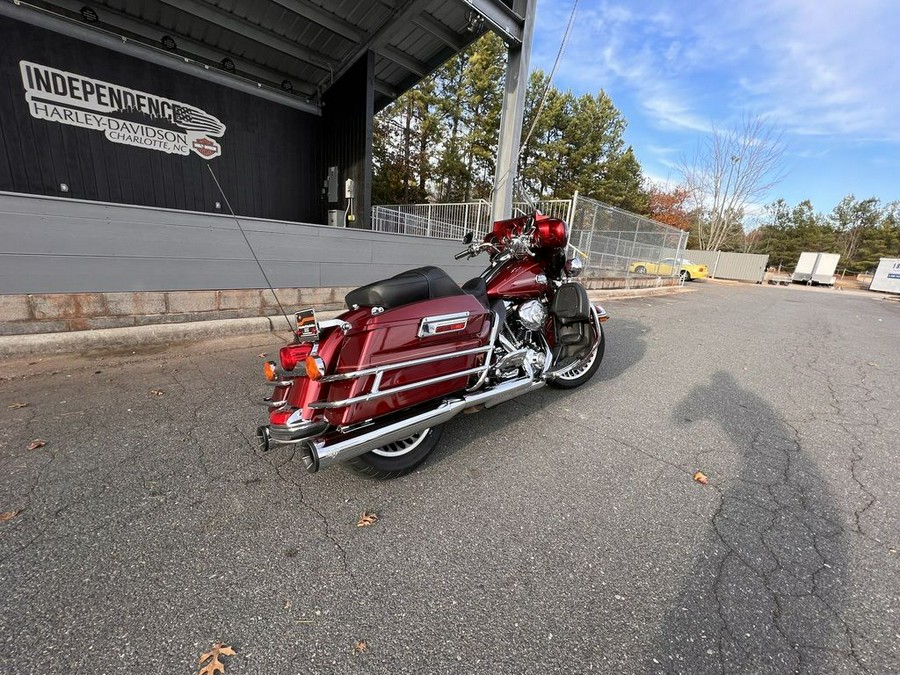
(574, 266)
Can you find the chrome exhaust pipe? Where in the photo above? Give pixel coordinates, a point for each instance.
(320, 454)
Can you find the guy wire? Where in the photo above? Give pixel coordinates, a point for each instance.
(258, 264)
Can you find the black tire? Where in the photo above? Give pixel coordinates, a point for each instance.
(640, 269)
(583, 374)
(685, 275)
(395, 459)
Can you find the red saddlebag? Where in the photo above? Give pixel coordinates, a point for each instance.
(386, 348)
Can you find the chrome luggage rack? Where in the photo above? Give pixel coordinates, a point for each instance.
(377, 392)
(379, 371)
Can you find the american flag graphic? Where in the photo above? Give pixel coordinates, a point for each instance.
(191, 119)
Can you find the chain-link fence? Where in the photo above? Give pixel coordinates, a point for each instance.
(612, 242)
(616, 243)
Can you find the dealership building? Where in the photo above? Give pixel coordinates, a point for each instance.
(130, 130)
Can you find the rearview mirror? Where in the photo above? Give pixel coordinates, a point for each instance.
(469, 236)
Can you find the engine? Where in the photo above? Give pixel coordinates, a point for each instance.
(522, 345)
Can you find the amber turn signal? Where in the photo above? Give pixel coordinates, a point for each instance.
(271, 370)
(315, 367)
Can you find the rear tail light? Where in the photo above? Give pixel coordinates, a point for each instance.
(291, 355)
(280, 417)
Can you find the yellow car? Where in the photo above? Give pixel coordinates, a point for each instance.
(666, 267)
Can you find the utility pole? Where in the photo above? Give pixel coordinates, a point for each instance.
(512, 113)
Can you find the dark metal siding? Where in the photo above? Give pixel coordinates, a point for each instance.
(270, 165)
(348, 109)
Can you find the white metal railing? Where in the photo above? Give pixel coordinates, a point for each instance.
(609, 240)
(452, 221)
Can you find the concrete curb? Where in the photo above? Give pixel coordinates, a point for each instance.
(47, 344)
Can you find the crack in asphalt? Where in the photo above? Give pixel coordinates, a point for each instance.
(291, 481)
(794, 499)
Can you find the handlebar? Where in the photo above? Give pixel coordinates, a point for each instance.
(463, 254)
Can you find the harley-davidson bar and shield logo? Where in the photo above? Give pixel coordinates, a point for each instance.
(119, 112)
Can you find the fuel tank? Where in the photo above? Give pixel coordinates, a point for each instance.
(517, 280)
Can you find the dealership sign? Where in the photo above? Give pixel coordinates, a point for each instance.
(126, 116)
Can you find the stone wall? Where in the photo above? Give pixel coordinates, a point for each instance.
(61, 312)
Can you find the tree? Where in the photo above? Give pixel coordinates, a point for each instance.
(853, 218)
(670, 206)
(403, 136)
(483, 82)
(439, 140)
(728, 171)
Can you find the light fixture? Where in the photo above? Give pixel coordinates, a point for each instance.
(89, 15)
(168, 43)
(287, 85)
(228, 65)
(474, 21)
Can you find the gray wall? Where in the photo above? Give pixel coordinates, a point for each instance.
(739, 266)
(52, 245)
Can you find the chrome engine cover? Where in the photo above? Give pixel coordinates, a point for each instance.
(533, 315)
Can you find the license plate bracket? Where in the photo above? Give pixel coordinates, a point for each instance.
(307, 325)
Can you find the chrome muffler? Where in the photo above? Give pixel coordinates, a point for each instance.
(320, 454)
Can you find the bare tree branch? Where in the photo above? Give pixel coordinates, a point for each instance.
(729, 171)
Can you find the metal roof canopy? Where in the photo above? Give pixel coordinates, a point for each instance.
(291, 51)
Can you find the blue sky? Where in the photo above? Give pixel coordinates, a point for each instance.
(826, 72)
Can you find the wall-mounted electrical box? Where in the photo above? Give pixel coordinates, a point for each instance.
(349, 187)
(332, 182)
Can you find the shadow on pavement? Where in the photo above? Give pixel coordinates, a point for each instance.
(626, 346)
(764, 594)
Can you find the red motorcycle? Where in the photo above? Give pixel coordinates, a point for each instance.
(375, 386)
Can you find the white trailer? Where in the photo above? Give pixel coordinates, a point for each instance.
(887, 276)
(816, 268)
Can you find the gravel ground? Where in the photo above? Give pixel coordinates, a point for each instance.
(560, 532)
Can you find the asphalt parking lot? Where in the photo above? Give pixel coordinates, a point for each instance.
(561, 532)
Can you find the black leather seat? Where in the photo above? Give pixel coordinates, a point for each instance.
(423, 283)
(477, 288)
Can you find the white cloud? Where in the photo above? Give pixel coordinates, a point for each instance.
(816, 67)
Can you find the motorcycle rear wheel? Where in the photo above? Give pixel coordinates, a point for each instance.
(583, 373)
(398, 458)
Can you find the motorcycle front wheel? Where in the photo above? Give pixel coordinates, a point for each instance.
(584, 372)
(399, 458)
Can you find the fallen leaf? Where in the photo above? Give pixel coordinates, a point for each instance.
(214, 666)
(156, 392)
(367, 518)
(360, 646)
(701, 478)
(9, 515)
(263, 355)
(16, 406)
(37, 443)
